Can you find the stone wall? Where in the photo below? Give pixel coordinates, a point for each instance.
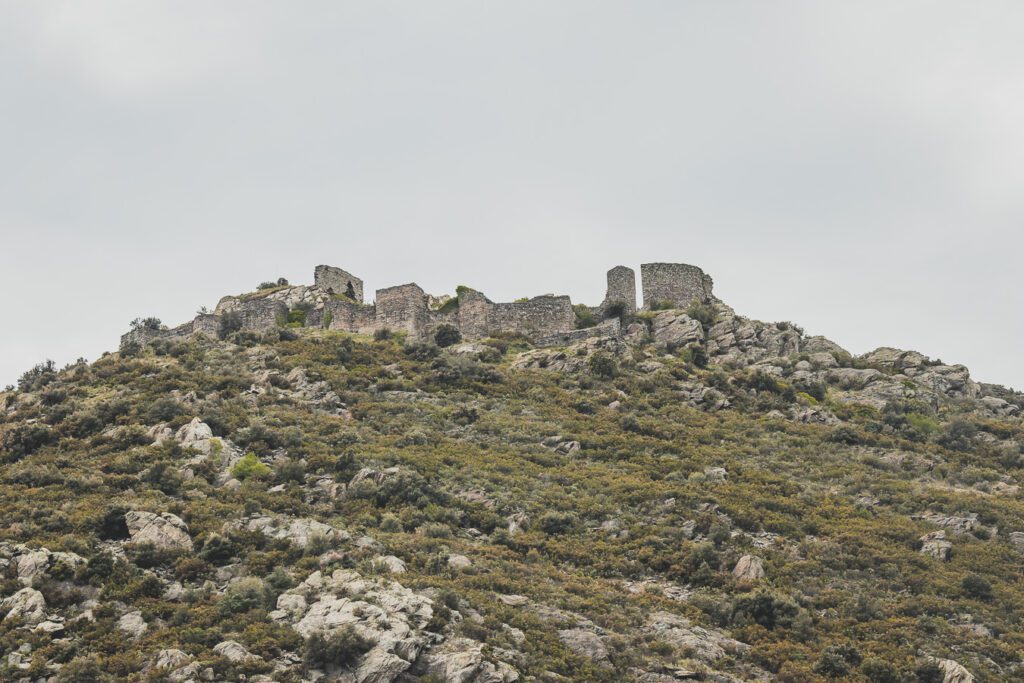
(540, 315)
(621, 290)
(472, 314)
(259, 315)
(349, 317)
(206, 323)
(337, 281)
(402, 309)
(677, 283)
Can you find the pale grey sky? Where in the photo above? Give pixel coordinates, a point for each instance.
(854, 167)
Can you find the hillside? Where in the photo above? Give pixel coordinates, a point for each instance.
(663, 495)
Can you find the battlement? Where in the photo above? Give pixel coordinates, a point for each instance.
(335, 301)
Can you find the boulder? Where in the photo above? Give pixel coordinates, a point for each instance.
(715, 474)
(954, 672)
(196, 434)
(387, 614)
(392, 564)
(298, 531)
(31, 563)
(234, 651)
(935, 544)
(707, 645)
(957, 524)
(514, 600)
(585, 644)
(459, 562)
(749, 568)
(380, 666)
(672, 330)
(852, 378)
(27, 604)
(460, 660)
(171, 659)
(164, 531)
(132, 624)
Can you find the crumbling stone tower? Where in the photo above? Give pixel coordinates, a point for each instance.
(339, 281)
(621, 291)
(677, 284)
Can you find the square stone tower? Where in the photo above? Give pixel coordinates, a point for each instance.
(677, 284)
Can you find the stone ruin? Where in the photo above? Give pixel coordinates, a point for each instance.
(335, 301)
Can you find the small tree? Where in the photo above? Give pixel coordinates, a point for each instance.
(152, 324)
(230, 323)
(603, 364)
(447, 335)
(975, 586)
(344, 647)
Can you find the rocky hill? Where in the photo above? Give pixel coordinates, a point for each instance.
(673, 494)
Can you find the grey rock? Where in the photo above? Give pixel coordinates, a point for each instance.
(671, 329)
(27, 604)
(380, 666)
(299, 531)
(459, 562)
(171, 659)
(935, 544)
(234, 651)
(460, 660)
(708, 645)
(954, 672)
(749, 568)
(132, 624)
(584, 643)
(165, 531)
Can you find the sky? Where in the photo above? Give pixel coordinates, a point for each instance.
(856, 168)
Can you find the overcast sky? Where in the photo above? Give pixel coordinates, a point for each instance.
(857, 168)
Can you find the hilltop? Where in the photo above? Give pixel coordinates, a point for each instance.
(303, 486)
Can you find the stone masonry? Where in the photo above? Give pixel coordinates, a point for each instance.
(621, 291)
(337, 281)
(674, 284)
(335, 301)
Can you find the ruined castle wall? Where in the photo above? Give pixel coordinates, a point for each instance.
(140, 336)
(540, 315)
(678, 283)
(621, 290)
(260, 315)
(402, 309)
(338, 281)
(206, 323)
(472, 315)
(349, 317)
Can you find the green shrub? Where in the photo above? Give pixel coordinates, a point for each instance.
(557, 522)
(342, 648)
(230, 323)
(250, 466)
(975, 586)
(447, 335)
(703, 313)
(244, 595)
(603, 364)
(766, 609)
(584, 316)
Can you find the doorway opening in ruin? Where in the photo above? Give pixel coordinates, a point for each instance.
(350, 291)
